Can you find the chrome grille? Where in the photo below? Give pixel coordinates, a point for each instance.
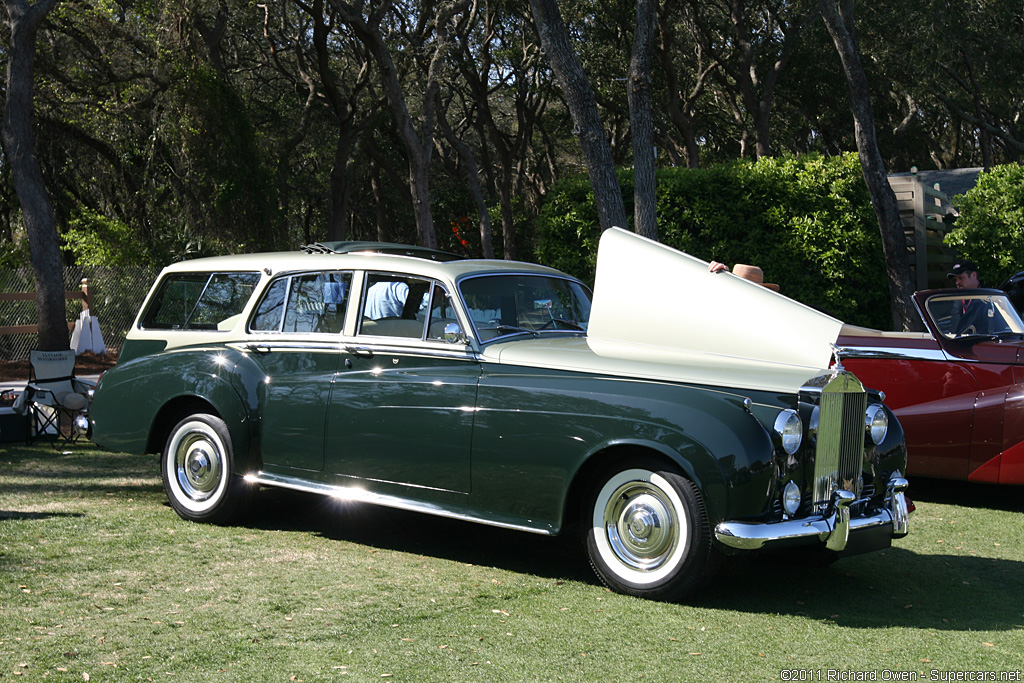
(839, 456)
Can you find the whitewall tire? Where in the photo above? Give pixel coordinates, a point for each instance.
(647, 532)
(198, 471)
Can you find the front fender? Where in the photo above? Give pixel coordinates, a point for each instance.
(729, 457)
(539, 434)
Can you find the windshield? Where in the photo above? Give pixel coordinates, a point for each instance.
(513, 304)
(966, 315)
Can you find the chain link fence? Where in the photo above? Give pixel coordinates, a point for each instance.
(117, 295)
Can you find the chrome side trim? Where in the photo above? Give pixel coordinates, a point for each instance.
(459, 352)
(833, 530)
(893, 353)
(358, 495)
(282, 345)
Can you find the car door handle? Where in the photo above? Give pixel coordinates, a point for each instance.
(257, 348)
(359, 351)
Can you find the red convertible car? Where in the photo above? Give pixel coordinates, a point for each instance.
(958, 389)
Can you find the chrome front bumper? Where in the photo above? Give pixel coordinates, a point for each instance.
(832, 530)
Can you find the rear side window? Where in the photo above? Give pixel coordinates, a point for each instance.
(311, 302)
(199, 301)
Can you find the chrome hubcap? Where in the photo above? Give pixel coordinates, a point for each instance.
(198, 465)
(641, 526)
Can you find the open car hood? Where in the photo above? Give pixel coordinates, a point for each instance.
(655, 304)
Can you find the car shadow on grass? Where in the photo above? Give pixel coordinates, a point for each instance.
(958, 584)
(34, 516)
(968, 494)
(559, 557)
(892, 587)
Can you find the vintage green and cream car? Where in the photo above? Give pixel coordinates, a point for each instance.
(671, 417)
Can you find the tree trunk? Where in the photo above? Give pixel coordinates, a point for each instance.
(579, 96)
(418, 145)
(472, 180)
(380, 211)
(645, 215)
(20, 147)
(838, 16)
(508, 222)
(337, 202)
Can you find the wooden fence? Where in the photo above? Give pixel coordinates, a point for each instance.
(923, 211)
(84, 293)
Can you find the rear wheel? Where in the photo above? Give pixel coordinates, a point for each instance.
(198, 471)
(647, 532)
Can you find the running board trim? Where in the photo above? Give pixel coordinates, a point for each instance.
(355, 494)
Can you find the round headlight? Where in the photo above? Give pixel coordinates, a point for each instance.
(790, 429)
(876, 422)
(791, 498)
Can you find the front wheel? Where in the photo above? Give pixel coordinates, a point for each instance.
(198, 471)
(648, 532)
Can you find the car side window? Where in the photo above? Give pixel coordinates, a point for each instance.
(442, 313)
(306, 303)
(199, 301)
(395, 305)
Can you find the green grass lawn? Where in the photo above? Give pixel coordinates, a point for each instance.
(103, 582)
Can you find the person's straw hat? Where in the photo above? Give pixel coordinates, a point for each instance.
(754, 274)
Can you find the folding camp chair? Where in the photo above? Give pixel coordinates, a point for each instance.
(56, 402)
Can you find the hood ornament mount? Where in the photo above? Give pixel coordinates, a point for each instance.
(837, 351)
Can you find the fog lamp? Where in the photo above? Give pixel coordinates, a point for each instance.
(791, 498)
(790, 429)
(876, 422)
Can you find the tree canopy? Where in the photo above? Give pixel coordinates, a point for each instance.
(169, 129)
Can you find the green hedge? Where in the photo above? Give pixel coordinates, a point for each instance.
(990, 227)
(807, 221)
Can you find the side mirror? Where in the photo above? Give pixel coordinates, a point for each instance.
(453, 334)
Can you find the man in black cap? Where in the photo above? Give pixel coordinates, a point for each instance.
(965, 274)
(970, 316)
